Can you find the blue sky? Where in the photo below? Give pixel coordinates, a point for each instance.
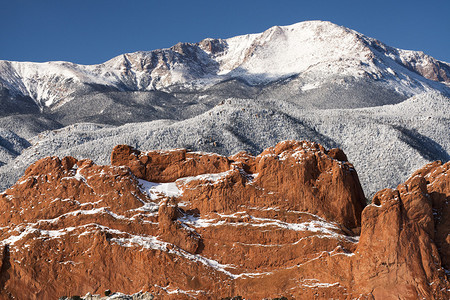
(94, 31)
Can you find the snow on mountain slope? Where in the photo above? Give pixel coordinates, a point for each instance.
(315, 50)
(323, 50)
(294, 49)
(385, 143)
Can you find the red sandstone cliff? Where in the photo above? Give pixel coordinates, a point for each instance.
(289, 222)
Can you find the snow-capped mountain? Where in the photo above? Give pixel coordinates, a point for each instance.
(315, 51)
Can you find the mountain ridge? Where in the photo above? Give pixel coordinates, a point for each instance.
(305, 48)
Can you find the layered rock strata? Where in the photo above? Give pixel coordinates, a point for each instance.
(291, 222)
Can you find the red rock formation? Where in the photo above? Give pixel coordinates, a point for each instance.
(180, 224)
(302, 173)
(436, 176)
(172, 230)
(397, 245)
(167, 166)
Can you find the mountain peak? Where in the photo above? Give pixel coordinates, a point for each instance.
(315, 51)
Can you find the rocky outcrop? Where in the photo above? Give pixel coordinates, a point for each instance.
(291, 222)
(304, 174)
(397, 245)
(168, 166)
(438, 188)
(172, 230)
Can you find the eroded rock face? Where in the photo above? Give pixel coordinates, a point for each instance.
(397, 244)
(302, 173)
(289, 222)
(168, 166)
